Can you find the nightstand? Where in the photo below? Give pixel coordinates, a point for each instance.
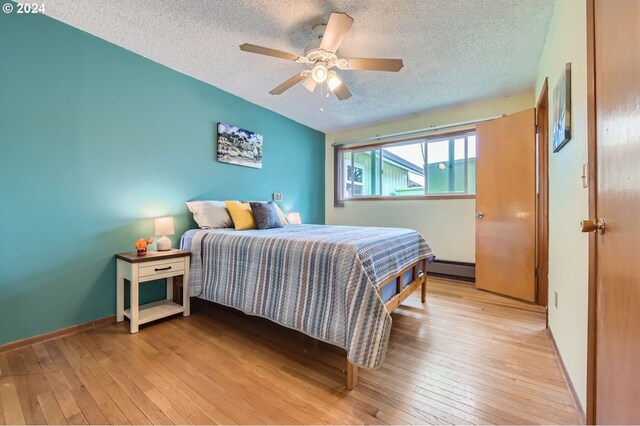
(154, 265)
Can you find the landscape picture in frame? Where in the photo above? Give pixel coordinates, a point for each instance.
(239, 146)
(562, 110)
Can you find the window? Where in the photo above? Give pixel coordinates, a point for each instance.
(361, 171)
(438, 166)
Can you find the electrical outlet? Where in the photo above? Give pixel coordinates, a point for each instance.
(277, 196)
(556, 299)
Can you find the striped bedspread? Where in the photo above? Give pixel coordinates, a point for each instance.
(320, 280)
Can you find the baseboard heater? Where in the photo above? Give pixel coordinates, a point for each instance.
(451, 269)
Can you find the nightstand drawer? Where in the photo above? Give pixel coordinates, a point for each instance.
(161, 267)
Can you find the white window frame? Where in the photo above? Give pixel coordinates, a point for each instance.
(346, 182)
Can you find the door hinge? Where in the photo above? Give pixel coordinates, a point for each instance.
(538, 128)
(537, 272)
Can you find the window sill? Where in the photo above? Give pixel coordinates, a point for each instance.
(415, 197)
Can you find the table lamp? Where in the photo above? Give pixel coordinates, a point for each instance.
(164, 227)
(294, 218)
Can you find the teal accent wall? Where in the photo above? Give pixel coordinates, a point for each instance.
(95, 141)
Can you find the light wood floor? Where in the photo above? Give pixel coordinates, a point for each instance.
(464, 357)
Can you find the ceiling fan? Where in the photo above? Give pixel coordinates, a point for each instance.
(321, 56)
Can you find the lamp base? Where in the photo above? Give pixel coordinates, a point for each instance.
(164, 243)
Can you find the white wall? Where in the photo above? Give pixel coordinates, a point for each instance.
(448, 225)
(568, 200)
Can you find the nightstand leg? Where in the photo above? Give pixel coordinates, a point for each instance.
(134, 303)
(119, 293)
(170, 288)
(186, 301)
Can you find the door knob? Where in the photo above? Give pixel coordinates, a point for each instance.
(479, 215)
(597, 225)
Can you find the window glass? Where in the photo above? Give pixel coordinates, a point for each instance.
(459, 165)
(403, 170)
(438, 167)
(417, 168)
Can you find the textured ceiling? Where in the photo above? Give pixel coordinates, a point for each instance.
(454, 51)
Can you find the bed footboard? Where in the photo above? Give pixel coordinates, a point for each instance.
(403, 290)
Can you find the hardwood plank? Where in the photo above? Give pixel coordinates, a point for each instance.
(2, 421)
(43, 357)
(27, 389)
(12, 410)
(51, 409)
(68, 405)
(464, 357)
(10, 401)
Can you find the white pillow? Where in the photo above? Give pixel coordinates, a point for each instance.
(210, 214)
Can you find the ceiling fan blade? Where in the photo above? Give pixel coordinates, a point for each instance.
(310, 84)
(268, 51)
(342, 92)
(288, 84)
(374, 64)
(337, 27)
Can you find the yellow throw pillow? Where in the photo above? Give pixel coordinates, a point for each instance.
(281, 215)
(241, 215)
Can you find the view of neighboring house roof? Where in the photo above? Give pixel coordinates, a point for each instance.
(401, 162)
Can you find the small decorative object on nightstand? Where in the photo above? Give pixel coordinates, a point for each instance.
(294, 218)
(153, 266)
(164, 227)
(141, 246)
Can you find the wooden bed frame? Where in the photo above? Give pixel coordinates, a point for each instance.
(402, 292)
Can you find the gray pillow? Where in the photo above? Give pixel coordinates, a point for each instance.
(265, 215)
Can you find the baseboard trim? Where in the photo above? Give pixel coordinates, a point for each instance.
(565, 373)
(56, 333)
(461, 271)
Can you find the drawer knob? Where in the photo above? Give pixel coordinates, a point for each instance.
(163, 269)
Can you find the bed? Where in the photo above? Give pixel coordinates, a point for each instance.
(337, 284)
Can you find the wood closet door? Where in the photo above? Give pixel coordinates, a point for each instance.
(617, 85)
(505, 205)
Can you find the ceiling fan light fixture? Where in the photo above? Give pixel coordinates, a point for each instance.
(319, 73)
(310, 84)
(333, 81)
